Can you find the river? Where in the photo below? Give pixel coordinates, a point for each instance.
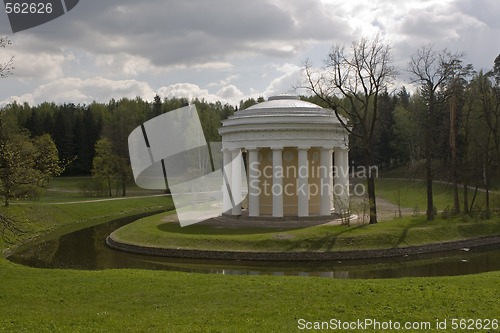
(86, 249)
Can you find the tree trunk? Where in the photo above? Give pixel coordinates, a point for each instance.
(487, 189)
(429, 174)
(370, 182)
(487, 201)
(466, 197)
(430, 201)
(109, 187)
(453, 147)
(456, 196)
(473, 199)
(371, 198)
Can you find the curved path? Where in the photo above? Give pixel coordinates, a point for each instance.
(106, 199)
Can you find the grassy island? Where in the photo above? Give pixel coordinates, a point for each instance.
(157, 231)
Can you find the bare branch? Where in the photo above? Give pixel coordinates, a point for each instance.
(9, 229)
(7, 67)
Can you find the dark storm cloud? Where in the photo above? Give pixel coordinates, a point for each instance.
(188, 32)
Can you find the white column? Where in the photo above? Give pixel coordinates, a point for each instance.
(253, 182)
(226, 183)
(303, 182)
(341, 186)
(325, 189)
(277, 188)
(236, 181)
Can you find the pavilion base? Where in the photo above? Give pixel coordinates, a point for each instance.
(243, 220)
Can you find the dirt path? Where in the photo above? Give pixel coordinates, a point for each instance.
(105, 199)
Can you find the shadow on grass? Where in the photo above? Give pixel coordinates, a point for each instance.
(325, 243)
(404, 233)
(218, 230)
(478, 227)
(328, 242)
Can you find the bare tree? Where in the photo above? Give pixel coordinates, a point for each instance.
(6, 67)
(350, 84)
(431, 69)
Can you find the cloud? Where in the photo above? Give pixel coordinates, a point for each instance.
(186, 90)
(125, 64)
(226, 48)
(437, 23)
(99, 89)
(43, 66)
(485, 11)
(290, 78)
(230, 93)
(225, 81)
(76, 90)
(191, 32)
(227, 94)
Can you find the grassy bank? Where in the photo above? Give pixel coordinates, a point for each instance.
(36, 219)
(412, 194)
(409, 231)
(40, 300)
(53, 300)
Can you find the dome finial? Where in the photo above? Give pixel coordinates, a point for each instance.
(283, 96)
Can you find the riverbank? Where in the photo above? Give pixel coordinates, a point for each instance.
(53, 300)
(134, 300)
(483, 243)
(161, 235)
(46, 221)
(48, 300)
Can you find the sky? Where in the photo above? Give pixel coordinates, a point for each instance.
(227, 50)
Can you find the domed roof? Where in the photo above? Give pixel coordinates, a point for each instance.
(282, 105)
(284, 101)
(283, 120)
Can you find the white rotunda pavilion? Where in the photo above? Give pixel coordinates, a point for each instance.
(296, 159)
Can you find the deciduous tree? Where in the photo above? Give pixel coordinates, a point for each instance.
(105, 162)
(18, 156)
(47, 161)
(430, 69)
(350, 84)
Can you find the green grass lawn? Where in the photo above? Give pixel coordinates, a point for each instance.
(43, 300)
(409, 231)
(441, 173)
(69, 189)
(412, 194)
(54, 300)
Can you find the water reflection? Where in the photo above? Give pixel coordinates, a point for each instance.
(86, 249)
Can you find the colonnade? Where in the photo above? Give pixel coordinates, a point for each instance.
(333, 180)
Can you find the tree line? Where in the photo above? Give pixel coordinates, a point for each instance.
(92, 139)
(451, 122)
